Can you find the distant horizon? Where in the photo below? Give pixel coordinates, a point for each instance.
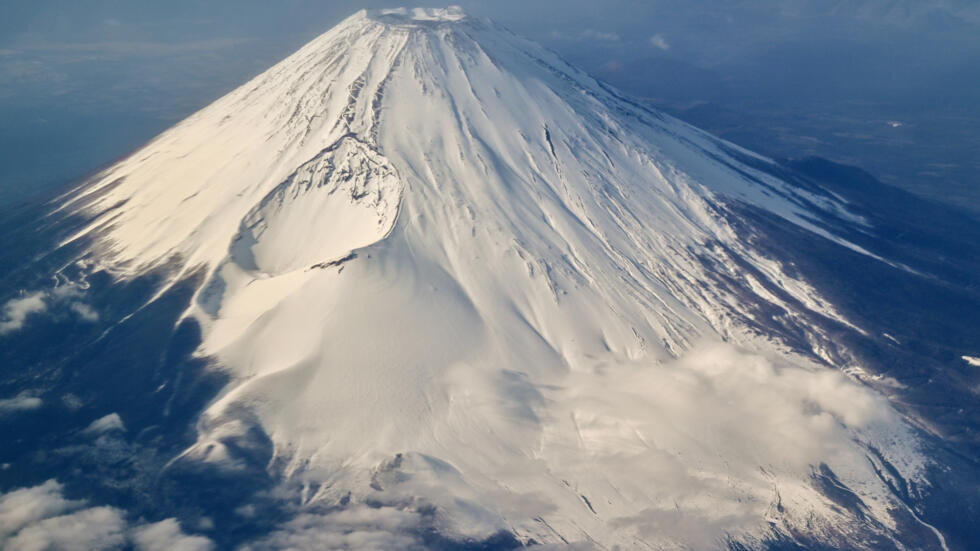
(82, 85)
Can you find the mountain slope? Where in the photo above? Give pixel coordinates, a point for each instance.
(447, 275)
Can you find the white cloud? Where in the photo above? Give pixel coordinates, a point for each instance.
(109, 423)
(25, 506)
(704, 439)
(359, 527)
(659, 41)
(84, 311)
(90, 529)
(16, 312)
(42, 519)
(22, 402)
(166, 535)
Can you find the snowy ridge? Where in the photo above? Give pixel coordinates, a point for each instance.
(444, 267)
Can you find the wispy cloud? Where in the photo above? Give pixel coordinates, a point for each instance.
(600, 36)
(109, 423)
(22, 402)
(659, 41)
(588, 35)
(84, 311)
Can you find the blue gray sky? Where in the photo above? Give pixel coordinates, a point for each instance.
(889, 85)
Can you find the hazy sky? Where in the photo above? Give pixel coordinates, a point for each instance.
(81, 83)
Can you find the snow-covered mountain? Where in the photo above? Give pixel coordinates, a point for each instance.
(455, 286)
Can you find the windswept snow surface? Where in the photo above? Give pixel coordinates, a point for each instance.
(444, 268)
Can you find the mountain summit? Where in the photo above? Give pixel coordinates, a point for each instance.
(454, 281)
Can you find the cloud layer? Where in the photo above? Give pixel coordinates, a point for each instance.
(41, 518)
